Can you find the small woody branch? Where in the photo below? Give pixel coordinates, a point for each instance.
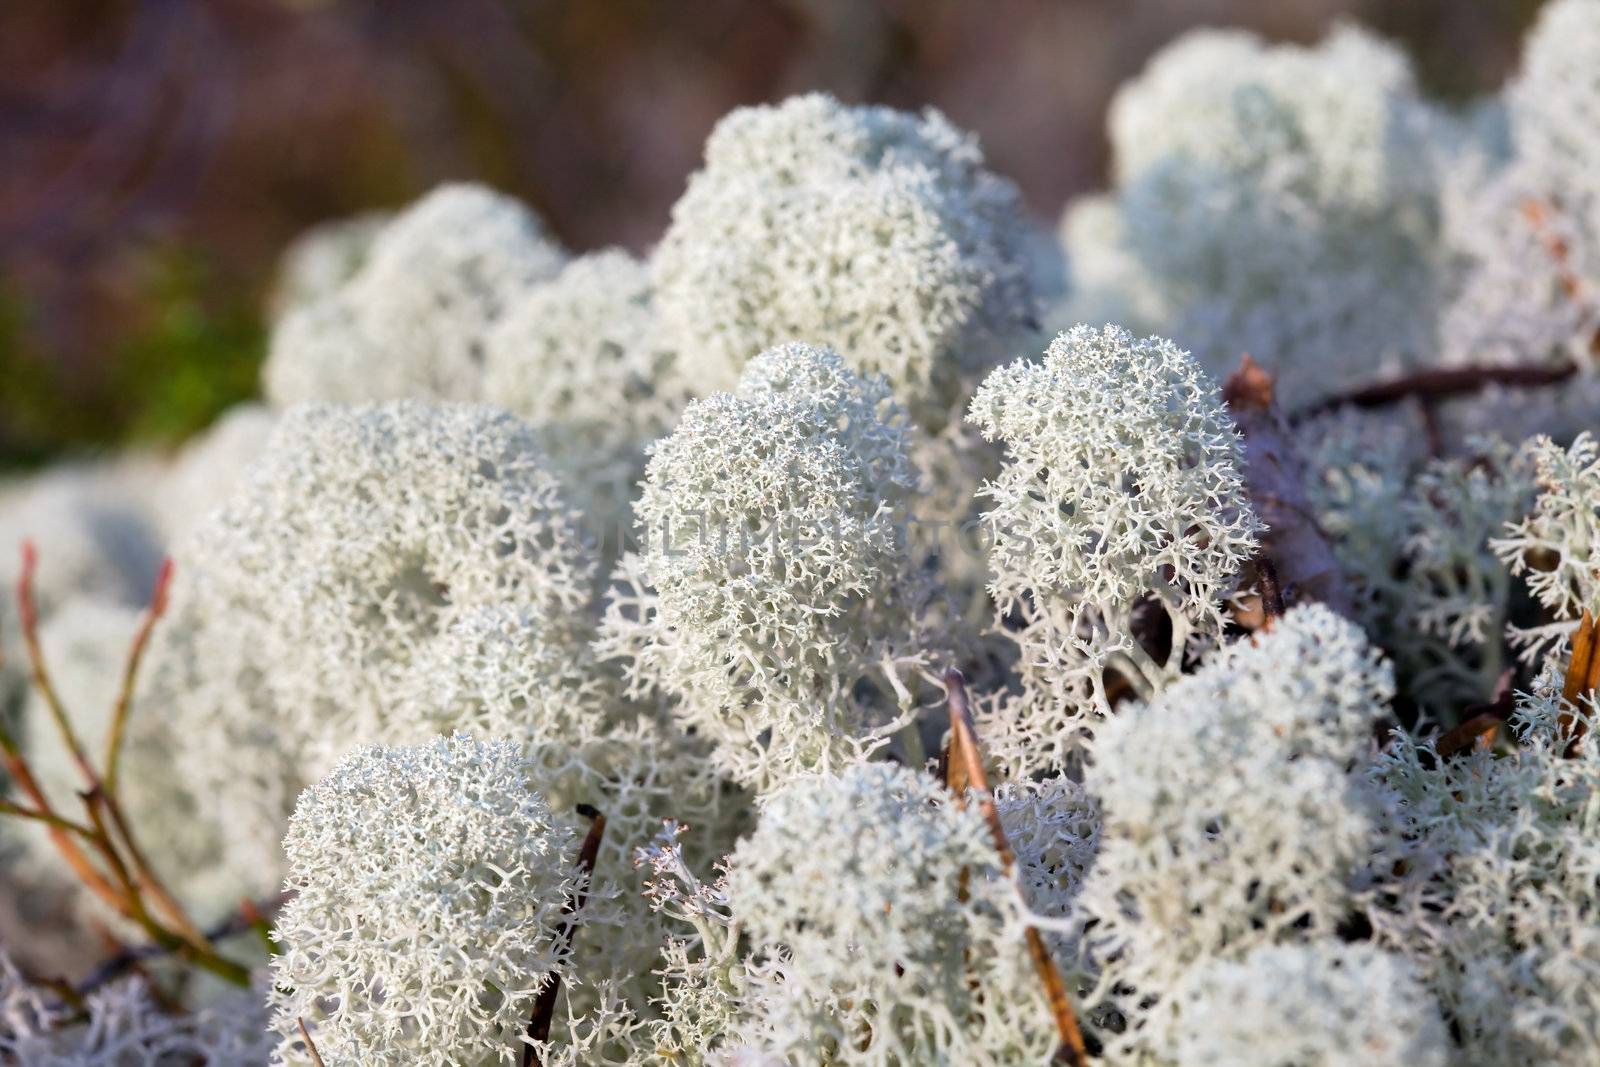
(1272, 605)
(966, 772)
(1435, 385)
(1478, 732)
(544, 1008)
(144, 877)
(311, 1046)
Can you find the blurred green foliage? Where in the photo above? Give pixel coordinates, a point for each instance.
(194, 349)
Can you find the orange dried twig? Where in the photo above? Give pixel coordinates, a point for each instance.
(965, 755)
(1480, 731)
(1580, 683)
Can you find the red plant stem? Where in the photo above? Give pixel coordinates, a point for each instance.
(136, 875)
(22, 774)
(146, 879)
(129, 959)
(28, 615)
(130, 673)
(1479, 731)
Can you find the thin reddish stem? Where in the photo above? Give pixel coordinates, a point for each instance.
(28, 616)
(143, 878)
(130, 673)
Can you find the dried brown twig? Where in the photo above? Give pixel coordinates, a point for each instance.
(28, 618)
(1579, 686)
(544, 1008)
(1480, 731)
(1431, 386)
(1272, 605)
(1435, 385)
(311, 1046)
(966, 773)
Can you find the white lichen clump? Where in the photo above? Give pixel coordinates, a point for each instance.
(1504, 920)
(1121, 485)
(356, 544)
(1106, 282)
(788, 623)
(1556, 545)
(210, 468)
(1232, 816)
(873, 231)
(430, 889)
(1324, 1004)
(323, 258)
(884, 931)
(124, 1025)
(1280, 201)
(1528, 231)
(411, 321)
(1417, 542)
(582, 359)
(506, 673)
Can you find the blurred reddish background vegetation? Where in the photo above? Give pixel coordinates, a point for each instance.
(158, 154)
